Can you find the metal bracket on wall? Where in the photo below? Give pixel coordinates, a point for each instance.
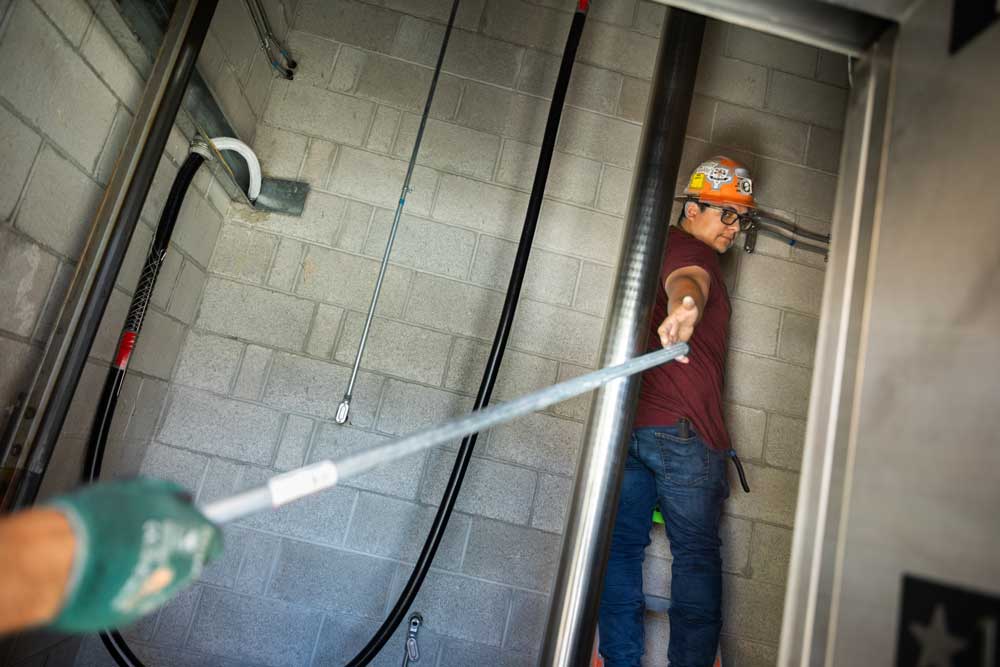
(147, 20)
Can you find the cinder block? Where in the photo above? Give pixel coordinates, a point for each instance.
(175, 465)
(575, 408)
(618, 49)
(570, 177)
(785, 440)
(323, 113)
(824, 149)
(166, 171)
(549, 277)
(223, 571)
(208, 362)
(528, 25)
(615, 186)
(149, 405)
(423, 244)
(511, 555)
(832, 68)
(772, 548)
(760, 132)
(746, 430)
(527, 622)
(323, 332)
(187, 292)
(280, 152)
(60, 83)
(590, 87)
(111, 63)
(331, 579)
(462, 607)
(457, 652)
(404, 85)
(318, 162)
(81, 412)
(519, 372)
(771, 51)
(492, 490)
(354, 229)
(649, 17)
(286, 266)
(219, 426)
(61, 223)
(395, 348)
(656, 574)
(348, 280)
(798, 338)
(223, 478)
(258, 84)
(159, 345)
(315, 388)
(233, 24)
(742, 652)
(577, 231)
(557, 332)
(377, 179)
(454, 307)
(807, 100)
(480, 206)
(294, 443)
(197, 229)
(618, 12)
(320, 221)
(551, 503)
(634, 99)
(260, 552)
(397, 529)
(594, 289)
(253, 371)
(231, 98)
(255, 314)
(349, 22)
(20, 147)
(348, 69)
(773, 496)
(539, 441)
(383, 133)
(657, 628)
(71, 17)
(599, 137)
(768, 384)
(28, 274)
(476, 56)
(344, 635)
(409, 407)
(491, 109)
(753, 607)
(320, 518)
(315, 58)
(175, 618)
(735, 535)
(439, 11)
(731, 80)
(254, 629)
(333, 441)
(450, 147)
(753, 327)
(780, 283)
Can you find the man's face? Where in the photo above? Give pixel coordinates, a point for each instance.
(705, 224)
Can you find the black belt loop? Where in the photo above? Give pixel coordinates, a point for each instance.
(683, 428)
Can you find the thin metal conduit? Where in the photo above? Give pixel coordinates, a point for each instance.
(569, 635)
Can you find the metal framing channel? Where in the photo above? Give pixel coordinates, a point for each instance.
(572, 618)
(817, 23)
(809, 599)
(30, 439)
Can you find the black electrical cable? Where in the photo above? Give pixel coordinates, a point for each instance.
(382, 635)
(116, 645)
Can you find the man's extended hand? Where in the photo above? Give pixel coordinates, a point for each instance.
(679, 325)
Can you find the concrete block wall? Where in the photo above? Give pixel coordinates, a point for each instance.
(67, 99)
(266, 359)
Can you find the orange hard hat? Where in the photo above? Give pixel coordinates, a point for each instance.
(720, 180)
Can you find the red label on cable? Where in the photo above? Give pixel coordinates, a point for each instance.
(583, 5)
(125, 346)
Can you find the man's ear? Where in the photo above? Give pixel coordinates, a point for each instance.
(691, 210)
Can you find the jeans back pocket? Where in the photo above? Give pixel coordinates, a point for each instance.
(686, 461)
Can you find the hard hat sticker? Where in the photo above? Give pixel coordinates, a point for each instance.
(697, 181)
(719, 176)
(744, 185)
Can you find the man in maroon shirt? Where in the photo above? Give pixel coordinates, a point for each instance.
(679, 445)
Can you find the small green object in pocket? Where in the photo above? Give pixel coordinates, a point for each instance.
(657, 517)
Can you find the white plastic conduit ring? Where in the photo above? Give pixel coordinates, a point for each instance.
(244, 151)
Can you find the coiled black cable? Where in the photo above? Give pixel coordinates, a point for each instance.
(113, 641)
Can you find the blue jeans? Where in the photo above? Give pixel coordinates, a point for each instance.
(688, 480)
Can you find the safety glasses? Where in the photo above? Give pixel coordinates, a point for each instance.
(731, 217)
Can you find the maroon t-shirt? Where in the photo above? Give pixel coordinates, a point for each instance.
(692, 390)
